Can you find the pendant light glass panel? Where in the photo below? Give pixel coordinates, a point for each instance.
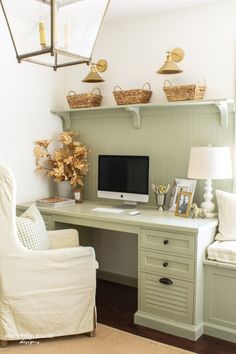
(24, 17)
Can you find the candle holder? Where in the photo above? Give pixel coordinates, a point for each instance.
(78, 194)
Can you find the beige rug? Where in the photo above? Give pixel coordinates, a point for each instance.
(108, 340)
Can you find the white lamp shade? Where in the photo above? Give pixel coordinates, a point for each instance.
(210, 163)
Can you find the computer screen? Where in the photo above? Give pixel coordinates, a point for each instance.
(123, 177)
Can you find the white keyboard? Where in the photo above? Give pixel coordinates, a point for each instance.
(109, 210)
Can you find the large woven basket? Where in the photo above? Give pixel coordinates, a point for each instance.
(132, 96)
(84, 100)
(183, 92)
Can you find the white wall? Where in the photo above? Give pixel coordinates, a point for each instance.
(135, 48)
(27, 94)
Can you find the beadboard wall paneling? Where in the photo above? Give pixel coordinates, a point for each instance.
(166, 135)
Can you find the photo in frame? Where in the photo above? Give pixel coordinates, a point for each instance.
(183, 205)
(181, 185)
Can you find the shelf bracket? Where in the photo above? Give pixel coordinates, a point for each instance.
(224, 113)
(135, 111)
(66, 120)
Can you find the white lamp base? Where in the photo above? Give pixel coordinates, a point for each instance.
(208, 205)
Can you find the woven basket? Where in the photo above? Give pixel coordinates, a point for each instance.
(184, 92)
(132, 96)
(84, 100)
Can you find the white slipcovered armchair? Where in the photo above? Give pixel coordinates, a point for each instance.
(43, 293)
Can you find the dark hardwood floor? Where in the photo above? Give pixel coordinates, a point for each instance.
(116, 305)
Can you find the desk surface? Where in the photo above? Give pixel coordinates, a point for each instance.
(149, 217)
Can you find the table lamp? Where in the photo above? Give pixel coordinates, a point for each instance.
(209, 163)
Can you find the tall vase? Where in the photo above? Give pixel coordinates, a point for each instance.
(160, 201)
(64, 189)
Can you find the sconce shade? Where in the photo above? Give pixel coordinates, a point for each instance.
(93, 76)
(54, 33)
(210, 163)
(169, 67)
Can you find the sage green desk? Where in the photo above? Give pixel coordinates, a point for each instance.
(171, 251)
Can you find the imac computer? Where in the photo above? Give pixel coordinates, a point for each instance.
(124, 178)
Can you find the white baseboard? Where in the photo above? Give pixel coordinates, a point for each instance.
(168, 326)
(220, 332)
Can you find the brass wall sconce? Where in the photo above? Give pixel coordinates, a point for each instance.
(169, 67)
(93, 75)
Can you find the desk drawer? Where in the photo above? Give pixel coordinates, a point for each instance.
(174, 301)
(167, 242)
(167, 265)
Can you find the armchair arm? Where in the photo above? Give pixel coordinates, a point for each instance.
(63, 238)
(34, 271)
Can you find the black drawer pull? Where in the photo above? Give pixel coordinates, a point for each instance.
(165, 264)
(165, 281)
(166, 242)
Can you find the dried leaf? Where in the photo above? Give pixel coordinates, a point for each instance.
(67, 163)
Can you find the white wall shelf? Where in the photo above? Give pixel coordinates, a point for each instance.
(223, 105)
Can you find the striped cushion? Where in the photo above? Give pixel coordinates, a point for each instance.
(31, 230)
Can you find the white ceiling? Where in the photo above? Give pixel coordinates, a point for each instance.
(127, 8)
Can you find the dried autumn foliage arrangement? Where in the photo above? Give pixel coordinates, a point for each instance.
(66, 163)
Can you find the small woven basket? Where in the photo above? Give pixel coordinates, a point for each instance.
(132, 96)
(84, 100)
(183, 92)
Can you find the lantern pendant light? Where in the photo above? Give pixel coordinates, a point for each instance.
(55, 33)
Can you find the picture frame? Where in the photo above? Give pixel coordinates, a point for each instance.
(181, 185)
(183, 205)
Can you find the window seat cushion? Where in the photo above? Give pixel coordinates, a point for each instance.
(222, 251)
